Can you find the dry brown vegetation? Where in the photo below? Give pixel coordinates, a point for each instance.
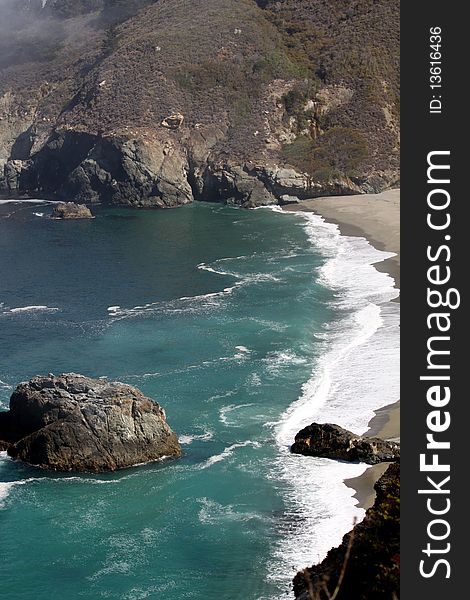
(103, 66)
(339, 42)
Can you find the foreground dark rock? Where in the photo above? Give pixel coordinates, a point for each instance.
(372, 569)
(75, 423)
(71, 210)
(332, 441)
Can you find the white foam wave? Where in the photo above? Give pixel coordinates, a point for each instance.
(227, 453)
(357, 373)
(320, 509)
(204, 267)
(280, 359)
(224, 395)
(349, 269)
(230, 258)
(326, 395)
(226, 410)
(172, 306)
(5, 487)
(28, 309)
(243, 349)
(272, 207)
(199, 301)
(38, 214)
(254, 380)
(214, 513)
(225, 291)
(26, 201)
(243, 352)
(187, 439)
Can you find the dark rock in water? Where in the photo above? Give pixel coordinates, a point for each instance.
(70, 210)
(332, 441)
(367, 563)
(74, 423)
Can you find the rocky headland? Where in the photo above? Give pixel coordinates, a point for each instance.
(74, 423)
(121, 104)
(367, 563)
(332, 441)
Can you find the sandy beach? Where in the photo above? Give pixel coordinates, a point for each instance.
(377, 218)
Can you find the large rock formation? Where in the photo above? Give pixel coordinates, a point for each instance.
(74, 423)
(70, 210)
(332, 441)
(366, 565)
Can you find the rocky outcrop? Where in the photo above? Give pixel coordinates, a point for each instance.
(70, 210)
(75, 423)
(173, 121)
(159, 172)
(13, 173)
(162, 169)
(332, 441)
(235, 184)
(367, 563)
(116, 170)
(121, 115)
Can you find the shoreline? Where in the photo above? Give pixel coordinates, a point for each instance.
(375, 217)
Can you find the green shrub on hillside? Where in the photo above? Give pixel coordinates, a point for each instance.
(341, 150)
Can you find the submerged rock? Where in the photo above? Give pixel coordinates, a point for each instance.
(332, 441)
(75, 423)
(367, 563)
(71, 210)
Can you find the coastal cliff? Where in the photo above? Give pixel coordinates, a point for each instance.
(160, 103)
(367, 563)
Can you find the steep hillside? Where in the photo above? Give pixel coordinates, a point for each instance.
(160, 103)
(352, 50)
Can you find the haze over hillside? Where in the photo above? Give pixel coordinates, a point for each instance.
(293, 97)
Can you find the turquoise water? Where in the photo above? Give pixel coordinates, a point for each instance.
(220, 314)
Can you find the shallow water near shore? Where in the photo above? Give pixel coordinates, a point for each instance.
(245, 326)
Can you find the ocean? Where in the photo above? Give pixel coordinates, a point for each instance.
(245, 325)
